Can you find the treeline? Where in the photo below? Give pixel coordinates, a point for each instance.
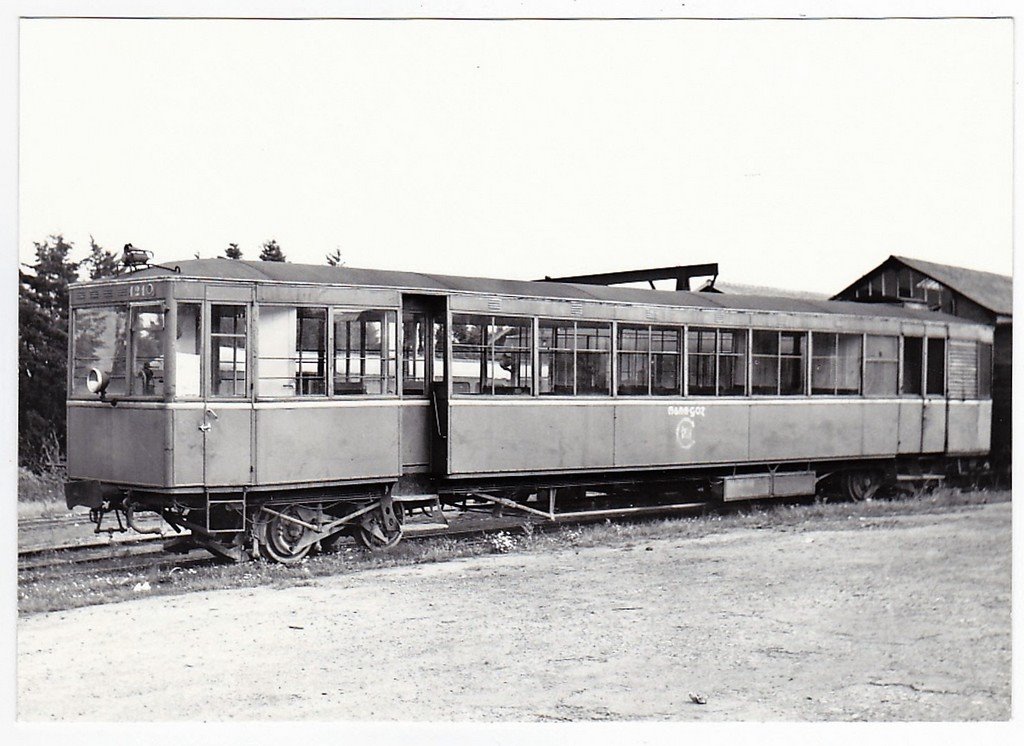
(43, 337)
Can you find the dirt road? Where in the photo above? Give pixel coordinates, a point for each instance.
(897, 619)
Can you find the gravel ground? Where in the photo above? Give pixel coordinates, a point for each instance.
(899, 619)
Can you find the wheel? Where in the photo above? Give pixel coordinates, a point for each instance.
(372, 534)
(282, 539)
(861, 485)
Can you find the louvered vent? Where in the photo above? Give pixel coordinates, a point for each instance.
(963, 370)
(576, 309)
(494, 304)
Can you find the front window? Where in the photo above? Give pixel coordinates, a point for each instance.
(147, 351)
(100, 341)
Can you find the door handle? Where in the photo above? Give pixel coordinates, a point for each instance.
(205, 426)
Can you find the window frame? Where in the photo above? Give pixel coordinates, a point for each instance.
(385, 358)
(835, 358)
(73, 357)
(896, 361)
(650, 355)
(490, 351)
(574, 323)
(929, 343)
(201, 332)
(329, 394)
(779, 356)
(130, 350)
(919, 393)
(208, 342)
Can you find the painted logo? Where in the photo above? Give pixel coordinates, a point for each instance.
(684, 433)
(687, 423)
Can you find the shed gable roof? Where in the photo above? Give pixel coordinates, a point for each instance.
(989, 290)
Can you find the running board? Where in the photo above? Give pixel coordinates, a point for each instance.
(576, 514)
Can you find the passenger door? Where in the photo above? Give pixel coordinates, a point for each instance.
(225, 424)
(424, 383)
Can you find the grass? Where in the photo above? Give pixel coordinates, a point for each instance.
(48, 591)
(41, 495)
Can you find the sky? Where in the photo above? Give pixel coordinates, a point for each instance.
(796, 154)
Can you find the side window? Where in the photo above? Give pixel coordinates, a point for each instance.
(732, 362)
(792, 349)
(702, 371)
(364, 352)
(188, 350)
(227, 350)
(469, 354)
(275, 330)
(717, 362)
(935, 380)
(778, 362)
(575, 358)
(835, 363)
(823, 363)
(311, 352)
(511, 364)
(556, 374)
(293, 353)
(634, 360)
(765, 362)
(491, 355)
(593, 358)
(881, 365)
(913, 362)
(666, 362)
(146, 361)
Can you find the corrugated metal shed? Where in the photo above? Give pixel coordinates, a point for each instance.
(316, 274)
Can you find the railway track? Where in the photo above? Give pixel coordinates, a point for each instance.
(136, 552)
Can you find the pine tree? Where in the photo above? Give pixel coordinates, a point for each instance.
(100, 262)
(272, 252)
(42, 350)
(233, 252)
(334, 258)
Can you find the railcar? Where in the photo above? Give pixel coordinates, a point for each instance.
(272, 407)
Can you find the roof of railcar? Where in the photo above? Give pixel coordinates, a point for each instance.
(316, 274)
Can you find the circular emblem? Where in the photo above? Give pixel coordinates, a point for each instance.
(684, 432)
